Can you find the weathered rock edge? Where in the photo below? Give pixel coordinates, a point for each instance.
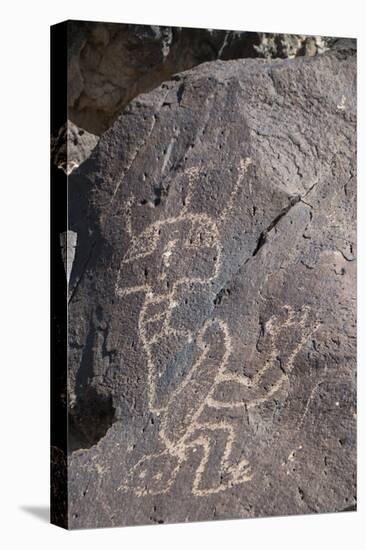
(111, 63)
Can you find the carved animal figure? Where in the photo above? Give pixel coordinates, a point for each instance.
(188, 361)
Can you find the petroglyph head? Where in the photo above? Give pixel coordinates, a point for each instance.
(169, 253)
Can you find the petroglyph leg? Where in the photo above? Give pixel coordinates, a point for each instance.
(215, 443)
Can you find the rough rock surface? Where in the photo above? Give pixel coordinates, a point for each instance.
(212, 309)
(71, 146)
(109, 63)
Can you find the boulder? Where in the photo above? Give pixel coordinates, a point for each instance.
(212, 317)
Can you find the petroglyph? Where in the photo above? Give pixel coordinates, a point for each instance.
(274, 372)
(189, 245)
(229, 341)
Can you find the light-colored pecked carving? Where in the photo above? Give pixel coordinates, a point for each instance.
(184, 429)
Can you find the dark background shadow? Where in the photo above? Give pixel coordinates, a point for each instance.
(40, 512)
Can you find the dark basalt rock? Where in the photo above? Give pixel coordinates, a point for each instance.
(212, 330)
(109, 64)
